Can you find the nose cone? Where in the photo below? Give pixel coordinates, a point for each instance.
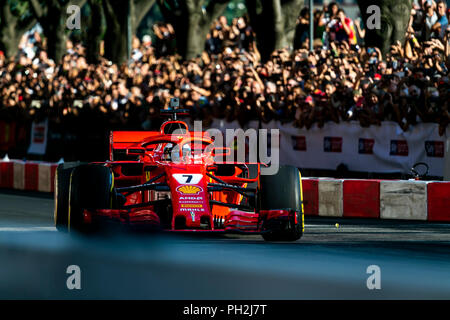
(190, 197)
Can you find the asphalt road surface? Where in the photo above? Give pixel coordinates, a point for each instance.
(326, 263)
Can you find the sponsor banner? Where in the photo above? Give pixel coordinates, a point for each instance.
(365, 146)
(299, 143)
(384, 148)
(399, 148)
(332, 144)
(38, 143)
(434, 149)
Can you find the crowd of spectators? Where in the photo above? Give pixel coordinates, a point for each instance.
(339, 80)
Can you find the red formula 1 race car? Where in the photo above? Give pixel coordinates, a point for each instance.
(170, 181)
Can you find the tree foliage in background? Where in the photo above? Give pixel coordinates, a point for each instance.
(15, 20)
(116, 15)
(51, 15)
(191, 20)
(274, 23)
(94, 31)
(394, 22)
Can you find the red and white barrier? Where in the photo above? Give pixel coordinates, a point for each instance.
(438, 196)
(310, 189)
(379, 199)
(330, 198)
(383, 199)
(403, 200)
(27, 175)
(361, 198)
(6, 174)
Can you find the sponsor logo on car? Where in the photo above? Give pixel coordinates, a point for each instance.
(192, 209)
(299, 143)
(188, 189)
(187, 198)
(332, 144)
(434, 149)
(192, 205)
(365, 146)
(399, 148)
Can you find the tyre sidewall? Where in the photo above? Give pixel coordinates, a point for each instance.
(90, 188)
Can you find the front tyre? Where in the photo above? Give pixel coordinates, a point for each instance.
(282, 191)
(62, 185)
(91, 187)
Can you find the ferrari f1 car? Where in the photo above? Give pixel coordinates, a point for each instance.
(171, 182)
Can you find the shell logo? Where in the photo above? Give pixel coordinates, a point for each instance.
(189, 189)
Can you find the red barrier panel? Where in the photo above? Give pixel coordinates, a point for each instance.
(310, 196)
(6, 175)
(31, 176)
(438, 201)
(361, 198)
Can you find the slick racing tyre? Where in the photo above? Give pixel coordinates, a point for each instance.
(62, 184)
(282, 191)
(91, 187)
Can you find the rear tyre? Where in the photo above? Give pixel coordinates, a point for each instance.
(91, 187)
(62, 185)
(282, 191)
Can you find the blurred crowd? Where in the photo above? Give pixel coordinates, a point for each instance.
(340, 80)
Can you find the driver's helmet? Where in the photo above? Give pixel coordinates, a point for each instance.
(171, 152)
(167, 152)
(186, 150)
(176, 153)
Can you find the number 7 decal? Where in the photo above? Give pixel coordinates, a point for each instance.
(182, 178)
